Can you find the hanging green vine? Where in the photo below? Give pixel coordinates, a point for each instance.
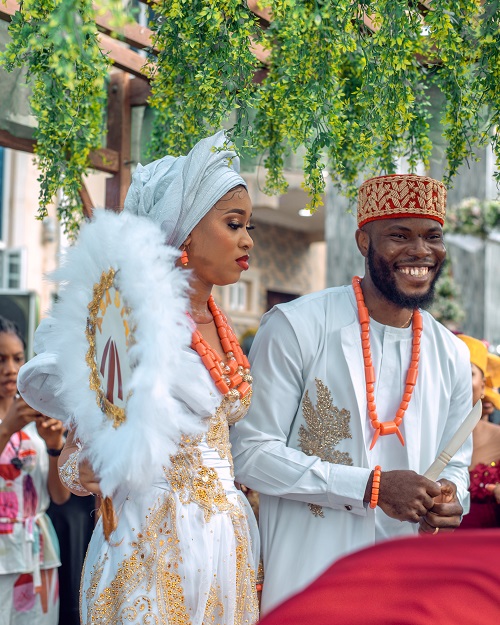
(204, 71)
(57, 41)
(348, 82)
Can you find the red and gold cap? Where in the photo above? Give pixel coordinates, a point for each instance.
(401, 195)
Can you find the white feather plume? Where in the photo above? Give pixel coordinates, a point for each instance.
(159, 410)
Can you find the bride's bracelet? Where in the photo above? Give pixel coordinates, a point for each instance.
(69, 472)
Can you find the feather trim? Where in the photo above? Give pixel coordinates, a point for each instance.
(158, 411)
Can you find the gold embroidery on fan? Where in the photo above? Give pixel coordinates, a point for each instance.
(100, 300)
(326, 426)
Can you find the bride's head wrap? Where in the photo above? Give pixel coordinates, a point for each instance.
(177, 192)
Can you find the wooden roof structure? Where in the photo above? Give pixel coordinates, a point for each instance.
(128, 87)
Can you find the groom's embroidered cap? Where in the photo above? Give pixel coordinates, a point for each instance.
(401, 195)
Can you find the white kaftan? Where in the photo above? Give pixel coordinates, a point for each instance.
(305, 442)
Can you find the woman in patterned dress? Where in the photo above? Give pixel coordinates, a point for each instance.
(28, 479)
(484, 469)
(185, 550)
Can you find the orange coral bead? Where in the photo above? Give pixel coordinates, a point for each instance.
(244, 389)
(363, 315)
(212, 360)
(370, 375)
(222, 386)
(226, 345)
(418, 322)
(200, 349)
(236, 380)
(216, 374)
(411, 377)
(388, 427)
(208, 361)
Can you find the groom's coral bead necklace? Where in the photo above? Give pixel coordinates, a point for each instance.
(386, 427)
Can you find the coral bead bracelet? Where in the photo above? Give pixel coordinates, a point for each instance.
(375, 486)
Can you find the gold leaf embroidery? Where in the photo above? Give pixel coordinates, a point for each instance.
(326, 427)
(154, 560)
(194, 481)
(316, 510)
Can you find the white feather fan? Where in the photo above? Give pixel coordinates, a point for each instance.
(157, 293)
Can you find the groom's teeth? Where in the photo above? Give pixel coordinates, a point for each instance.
(415, 271)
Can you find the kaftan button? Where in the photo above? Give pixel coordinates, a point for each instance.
(348, 507)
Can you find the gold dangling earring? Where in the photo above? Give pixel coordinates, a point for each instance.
(184, 257)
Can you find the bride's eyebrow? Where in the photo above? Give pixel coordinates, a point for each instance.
(235, 210)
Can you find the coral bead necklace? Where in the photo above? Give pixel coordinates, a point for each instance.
(232, 378)
(386, 427)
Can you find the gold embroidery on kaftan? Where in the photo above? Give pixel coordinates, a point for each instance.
(246, 595)
(214, 609)
(153, 561)
(194, 481)
(234, 411)
(326, 427)
(218, 433)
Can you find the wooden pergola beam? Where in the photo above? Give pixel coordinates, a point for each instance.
(123, 57)
(105, 159)
(119, 137)
(133, 33)
(87, 203)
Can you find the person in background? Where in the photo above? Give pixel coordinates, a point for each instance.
(29, 446)
(484, 469)
(74, 523)
(491, 401)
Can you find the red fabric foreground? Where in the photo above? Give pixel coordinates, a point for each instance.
(448, 579)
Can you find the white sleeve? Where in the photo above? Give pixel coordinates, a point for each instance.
(457, 470)
(262, 459)
(39, 379)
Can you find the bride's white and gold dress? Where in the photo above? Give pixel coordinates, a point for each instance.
(179, 546)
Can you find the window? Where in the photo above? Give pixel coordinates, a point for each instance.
(12, 263)
(2, 186)
(239, 296)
